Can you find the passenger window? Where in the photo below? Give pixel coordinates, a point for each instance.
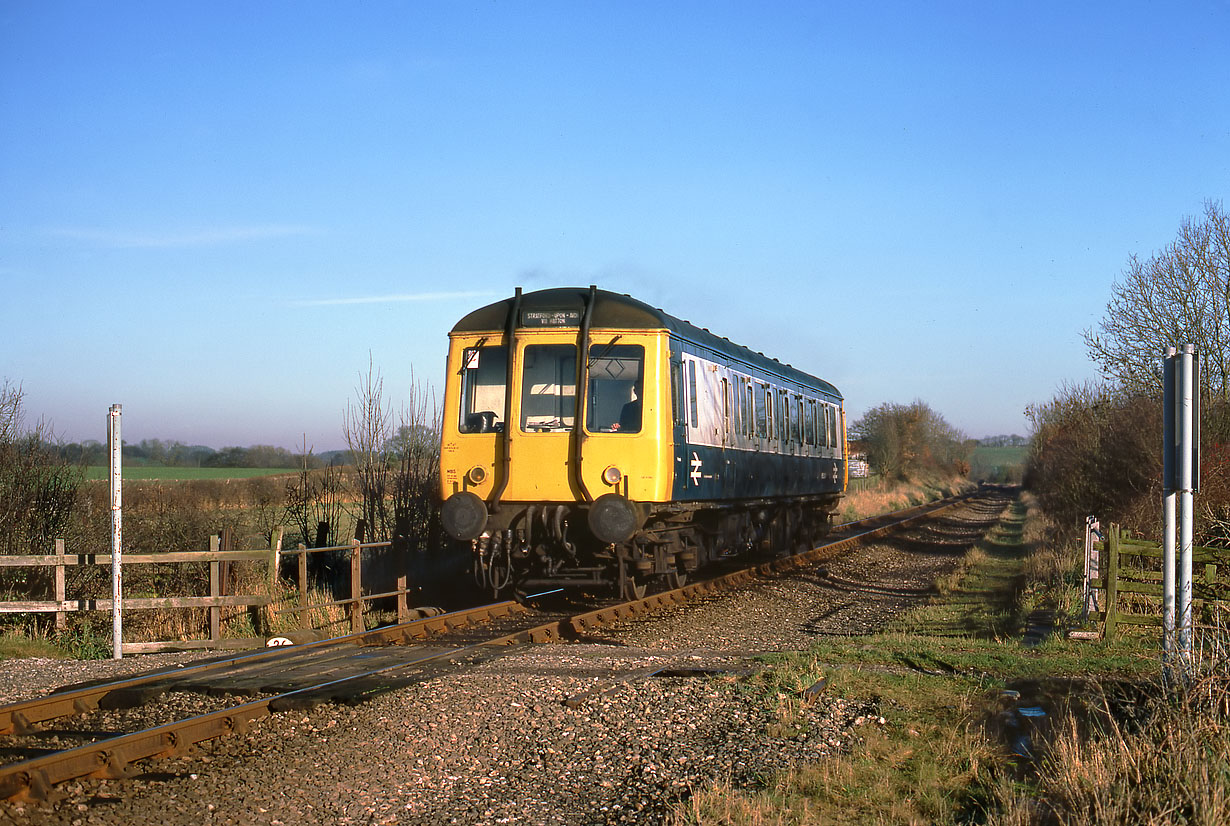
(725, 407)
(549, 388)
(615, 388)
(483, 389)
(692, 405)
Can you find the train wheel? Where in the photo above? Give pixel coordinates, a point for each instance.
(630, 586)
(676, 578)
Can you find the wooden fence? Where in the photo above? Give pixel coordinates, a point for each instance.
(1129, 587)
(219, 558)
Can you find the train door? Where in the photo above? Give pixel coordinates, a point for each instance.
(681, 405)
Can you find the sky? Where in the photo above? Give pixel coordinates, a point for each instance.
(220, 214)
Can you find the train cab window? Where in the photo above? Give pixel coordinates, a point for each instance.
(482, 389)
(549, 388)
(828, 426)
(615, 388)
(809, 425)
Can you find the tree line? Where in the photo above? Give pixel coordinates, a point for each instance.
(161, 453)
(1097, 446)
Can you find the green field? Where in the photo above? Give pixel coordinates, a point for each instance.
(184, 474)
(998, 463)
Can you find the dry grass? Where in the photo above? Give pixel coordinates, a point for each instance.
(888, 496)
(1158, 761)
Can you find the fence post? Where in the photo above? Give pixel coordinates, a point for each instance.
(1112, 582)
(215, 591)
(275, 555)
(1093, 533)
(226, 575)
(1207, 605)
(403, 608)
(399, 551)
(304, 621)
(61, 617)
(356, 587)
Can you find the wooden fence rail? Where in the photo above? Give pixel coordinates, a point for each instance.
(218, 557)
(1131, 582)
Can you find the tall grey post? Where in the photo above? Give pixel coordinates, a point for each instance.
(1170, 482)
(115, 453)
(1180, 480)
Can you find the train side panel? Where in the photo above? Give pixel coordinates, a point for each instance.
(744, 434)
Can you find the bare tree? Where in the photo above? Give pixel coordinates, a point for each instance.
(313, 500)
(1180, 295)
(367, 432)
(415, 448)
(38, 489)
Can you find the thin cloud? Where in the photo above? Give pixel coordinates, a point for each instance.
(391, 299)
(193, 238)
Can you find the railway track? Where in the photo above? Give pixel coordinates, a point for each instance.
(345, 669)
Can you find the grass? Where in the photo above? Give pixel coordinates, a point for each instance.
(943, 755)
(17, 645)
(180, 474)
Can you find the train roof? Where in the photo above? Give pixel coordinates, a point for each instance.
(564, 307)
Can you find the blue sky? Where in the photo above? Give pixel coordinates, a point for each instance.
(214, 213)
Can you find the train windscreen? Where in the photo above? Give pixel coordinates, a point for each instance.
(549, 388)
(483, 389)
(615, 388)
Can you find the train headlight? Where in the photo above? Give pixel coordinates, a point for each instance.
(476, 475)
(612, 476)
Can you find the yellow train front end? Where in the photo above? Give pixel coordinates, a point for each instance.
(549, 460)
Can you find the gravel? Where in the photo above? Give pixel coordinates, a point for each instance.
(500, 743)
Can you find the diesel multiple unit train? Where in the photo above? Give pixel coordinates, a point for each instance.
(589, 438)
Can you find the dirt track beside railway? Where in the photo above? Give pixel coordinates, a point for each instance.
(500, 743)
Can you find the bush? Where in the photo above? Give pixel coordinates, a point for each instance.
(908, 440)
(38, 490)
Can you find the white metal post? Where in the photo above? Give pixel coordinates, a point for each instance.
(1168, 568)
(1185, 502)
(117, 579)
